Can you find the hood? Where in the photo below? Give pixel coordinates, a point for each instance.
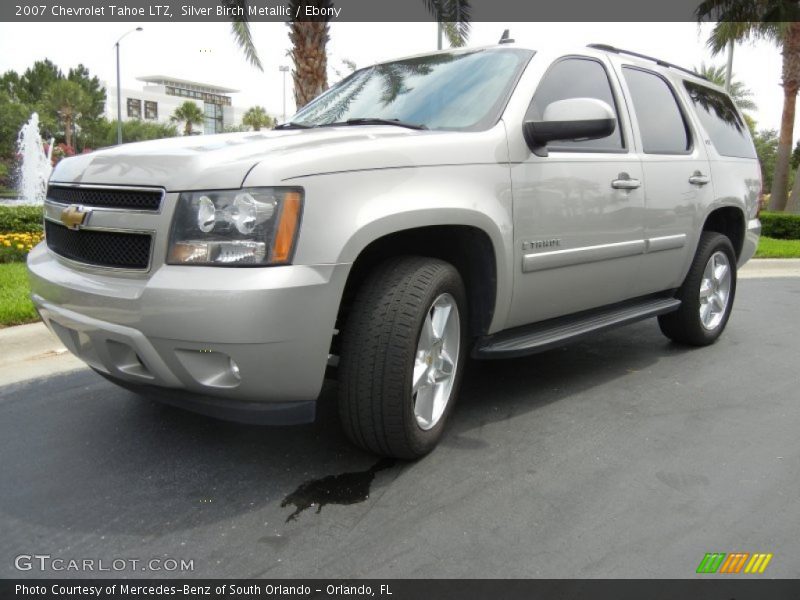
(224, 161)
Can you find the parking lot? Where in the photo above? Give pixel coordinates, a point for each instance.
(621, 456)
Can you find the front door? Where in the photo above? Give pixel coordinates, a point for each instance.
(578, 225)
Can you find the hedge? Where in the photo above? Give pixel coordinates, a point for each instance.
(781, 226)
(20, 219)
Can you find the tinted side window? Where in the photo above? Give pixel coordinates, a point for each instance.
(576, 78)
(660, 120)
(723, 124)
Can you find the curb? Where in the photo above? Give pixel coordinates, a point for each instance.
(31, 351)
(770, 268)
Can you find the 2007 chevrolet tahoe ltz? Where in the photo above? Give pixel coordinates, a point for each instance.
(492, 201)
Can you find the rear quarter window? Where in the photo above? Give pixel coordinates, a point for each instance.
(721, 120)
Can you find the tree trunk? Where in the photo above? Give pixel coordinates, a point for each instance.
(309, 53)
(793, 205)
(790, 83)
(188, 129)
(780, 180)
(68, 129)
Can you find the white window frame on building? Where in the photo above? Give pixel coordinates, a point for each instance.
(151, 110)
(134, 106)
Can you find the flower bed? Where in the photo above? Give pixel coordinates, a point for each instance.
(14, 247)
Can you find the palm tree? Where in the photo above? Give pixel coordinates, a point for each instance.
(309, 52)
(68, 100)
(257, 117)
(310, 39)
(189, 114)
(777, 21)
(740, 95)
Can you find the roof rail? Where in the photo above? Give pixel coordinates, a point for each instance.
(658, 61)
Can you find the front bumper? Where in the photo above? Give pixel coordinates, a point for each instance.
(252, 338)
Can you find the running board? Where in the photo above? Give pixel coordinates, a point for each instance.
(538, 337)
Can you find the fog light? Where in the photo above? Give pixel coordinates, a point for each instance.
(235, 369)
(209, 367)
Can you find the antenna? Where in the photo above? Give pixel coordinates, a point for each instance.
(506, 38)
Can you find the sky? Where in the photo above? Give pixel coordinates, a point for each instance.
(206, 52)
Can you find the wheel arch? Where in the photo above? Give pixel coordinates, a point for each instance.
(470, 249)
(731, 222)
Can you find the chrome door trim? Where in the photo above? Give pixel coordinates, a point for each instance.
(564, 258)
(540, 261)
(666, 242)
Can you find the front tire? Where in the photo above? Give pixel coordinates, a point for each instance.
(402, 356)
(706, 295)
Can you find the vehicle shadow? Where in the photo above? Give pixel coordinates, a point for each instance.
(83, 456)
(499, 390)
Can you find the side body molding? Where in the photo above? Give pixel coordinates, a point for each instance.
(540, 261)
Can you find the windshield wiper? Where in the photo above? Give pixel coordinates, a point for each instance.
(293, 125)
(378, 121)
(358, 121)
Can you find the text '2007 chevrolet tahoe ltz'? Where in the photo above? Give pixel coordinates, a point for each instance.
(494, 201)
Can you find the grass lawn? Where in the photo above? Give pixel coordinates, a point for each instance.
(15, 306)
(772, 248)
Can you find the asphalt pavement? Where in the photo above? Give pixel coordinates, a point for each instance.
(623, 455)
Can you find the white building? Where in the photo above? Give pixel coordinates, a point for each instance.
(158, 99)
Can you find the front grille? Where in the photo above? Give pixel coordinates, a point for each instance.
(106, 197)
(101, 248)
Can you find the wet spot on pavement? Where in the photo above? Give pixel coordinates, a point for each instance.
(345, 488)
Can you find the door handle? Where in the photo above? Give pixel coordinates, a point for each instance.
(698, 178)
(624, 182)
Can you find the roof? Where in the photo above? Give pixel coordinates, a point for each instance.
(186, 83)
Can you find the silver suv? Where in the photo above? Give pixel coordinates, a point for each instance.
(491, 202)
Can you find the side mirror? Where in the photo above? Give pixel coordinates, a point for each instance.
(571, 119)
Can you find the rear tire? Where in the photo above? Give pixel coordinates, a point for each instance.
(706, 295)
(402, 356)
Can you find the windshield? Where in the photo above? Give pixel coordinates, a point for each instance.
(461, 90)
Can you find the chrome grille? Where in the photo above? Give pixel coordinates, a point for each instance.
(101, 248)
(131, 199)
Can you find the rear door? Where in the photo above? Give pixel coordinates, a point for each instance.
(677, 178)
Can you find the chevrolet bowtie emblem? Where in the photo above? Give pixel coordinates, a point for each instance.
(74, 216)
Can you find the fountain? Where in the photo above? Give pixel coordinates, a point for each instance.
(35, 166)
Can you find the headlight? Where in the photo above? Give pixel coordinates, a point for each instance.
(251, 226)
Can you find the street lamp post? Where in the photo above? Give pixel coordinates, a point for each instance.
(119, 90)
(284, 69)
(729, 68)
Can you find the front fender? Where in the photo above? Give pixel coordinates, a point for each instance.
(345, 212)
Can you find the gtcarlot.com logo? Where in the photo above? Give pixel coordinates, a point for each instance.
(47, 562)
(734, 562)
